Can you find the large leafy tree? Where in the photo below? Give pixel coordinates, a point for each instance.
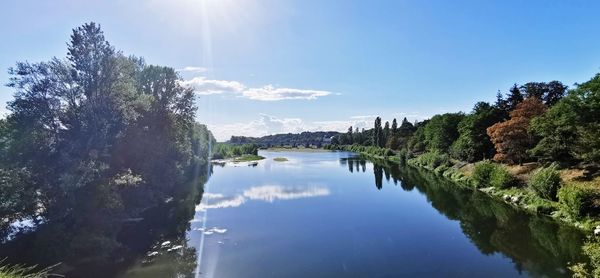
(548, 92)
(94, 138)
(511, 138)
(441, 131)
(473, 142)
(569, 131)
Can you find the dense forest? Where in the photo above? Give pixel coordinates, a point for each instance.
(536, 147)
(94, 141)
(305, 139)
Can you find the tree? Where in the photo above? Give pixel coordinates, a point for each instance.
(549, 93)
(514, 97)
(511, 138)
(394, 127)
(570, 129)
(378, 133)
(93, 139)
(441, 131)
(473, 142)
(349, 136)
(386, 132)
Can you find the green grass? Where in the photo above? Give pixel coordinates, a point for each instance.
(308, 150)
(248, 157)
(22, 271)
(280, 159)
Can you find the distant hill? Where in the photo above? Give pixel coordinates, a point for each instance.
(313, 139)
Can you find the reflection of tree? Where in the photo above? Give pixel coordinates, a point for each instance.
(93, 250)
(535, 244)
(378, 171)
(351, 166)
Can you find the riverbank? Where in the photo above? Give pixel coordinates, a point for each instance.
(308, 150)
(572, 207)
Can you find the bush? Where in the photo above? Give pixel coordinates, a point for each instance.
(487, 173)
(501, 178)
(433, 160)
(545, 182)
(403, 154)
(579, 200)
(482, 173)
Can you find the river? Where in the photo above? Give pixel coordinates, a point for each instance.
(335, 214)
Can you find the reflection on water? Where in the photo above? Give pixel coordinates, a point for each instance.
(319, 215)
(315, 218)
(270, 193)
(535, 244)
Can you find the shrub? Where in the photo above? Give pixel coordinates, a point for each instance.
(579, 200)
(501, 178)
(545, 182)
(433, 160)
(403, 154)
(487, 173)
(482, 173)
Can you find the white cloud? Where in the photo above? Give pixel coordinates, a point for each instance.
(193, 69)
(204, 86)
(270, 93)
(268, 124)
(270, 193)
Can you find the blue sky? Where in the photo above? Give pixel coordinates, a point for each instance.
(270, 66)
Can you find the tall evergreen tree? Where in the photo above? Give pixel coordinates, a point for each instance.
(394, 127)
(386, 132)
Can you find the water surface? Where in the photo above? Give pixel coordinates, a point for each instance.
(334, 214)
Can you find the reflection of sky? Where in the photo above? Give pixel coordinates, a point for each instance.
(267, 193)
(271, 193)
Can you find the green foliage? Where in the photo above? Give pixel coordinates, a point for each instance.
(93, 139)
(571, 128)
(22, 271)
(501, 178)
(545, 182)
(433, 160)
(579, 200)
(592, 250)
(224, 150)
(441, 131)
(473, 143)
(487, 173)
(417, 143)
(482, 173)
(248, 157)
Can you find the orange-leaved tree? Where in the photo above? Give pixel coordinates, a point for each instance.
(511, 138)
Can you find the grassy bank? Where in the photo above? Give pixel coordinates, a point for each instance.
(248, 157)
(308, 150)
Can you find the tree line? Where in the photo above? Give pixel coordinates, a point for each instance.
(537, 121)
